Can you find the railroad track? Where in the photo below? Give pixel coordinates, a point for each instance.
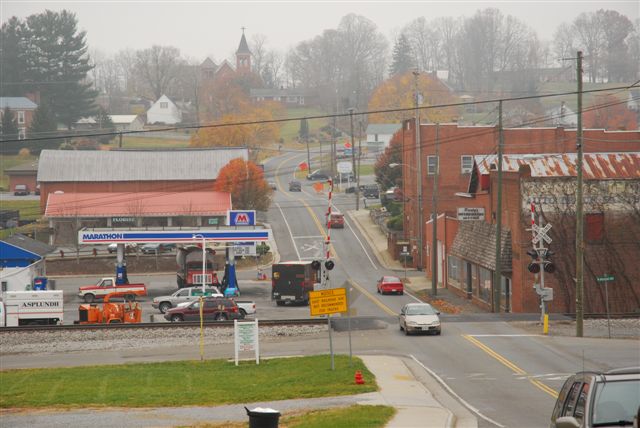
(158, 325)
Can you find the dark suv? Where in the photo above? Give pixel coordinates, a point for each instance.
(318, 175)
(215, 309)
(598, 399)
(371, 191)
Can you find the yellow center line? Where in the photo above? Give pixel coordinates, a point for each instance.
(372, 298)
(510, 365)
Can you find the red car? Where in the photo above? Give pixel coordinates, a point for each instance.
(390, 284)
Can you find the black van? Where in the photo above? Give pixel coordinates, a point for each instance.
(292, 281)
(371, 191)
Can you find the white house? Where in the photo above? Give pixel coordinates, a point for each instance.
(379, 135)
(164, 111)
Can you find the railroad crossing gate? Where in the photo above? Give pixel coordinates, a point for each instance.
(326, 302)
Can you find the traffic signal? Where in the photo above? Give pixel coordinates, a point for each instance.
(549, 267)
(534, 266)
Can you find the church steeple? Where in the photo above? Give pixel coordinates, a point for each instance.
(243, 55)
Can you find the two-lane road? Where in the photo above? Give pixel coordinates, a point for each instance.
(504, 375)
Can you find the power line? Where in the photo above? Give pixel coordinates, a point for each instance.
(324, 116)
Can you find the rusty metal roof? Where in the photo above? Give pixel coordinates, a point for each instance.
(139, 204)
(597, 166)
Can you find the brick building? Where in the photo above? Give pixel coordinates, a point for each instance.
(466, 249)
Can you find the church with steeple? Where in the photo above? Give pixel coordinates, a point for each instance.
(210, 71)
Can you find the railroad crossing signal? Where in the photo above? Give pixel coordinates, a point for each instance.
(541, 233)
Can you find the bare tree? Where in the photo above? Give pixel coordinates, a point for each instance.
(158, 67)
(258, 47)
(590, 37)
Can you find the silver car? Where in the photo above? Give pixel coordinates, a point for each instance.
(419, 318)
(184, 295)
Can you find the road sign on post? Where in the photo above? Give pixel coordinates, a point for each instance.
(326, 302)
(605, 278)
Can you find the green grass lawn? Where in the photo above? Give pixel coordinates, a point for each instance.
(212, 382)
(29, 210)
(130, 142)
(291, 128)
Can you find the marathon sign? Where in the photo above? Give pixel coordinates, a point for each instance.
(182, 236)
(241, 218)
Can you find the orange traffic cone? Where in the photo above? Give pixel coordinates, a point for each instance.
(359, 379)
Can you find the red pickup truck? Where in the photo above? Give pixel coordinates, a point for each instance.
(108, 285)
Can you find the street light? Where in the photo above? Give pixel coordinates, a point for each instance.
(204, 259)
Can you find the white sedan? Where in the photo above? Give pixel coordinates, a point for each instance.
(419, 318)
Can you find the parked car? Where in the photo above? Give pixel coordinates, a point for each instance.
(37, 191)
(189, 294)
(390, 284)
(318, 175)
(129, 247)
(598, 399)
(273, 185)
(419, 318)
(215, 309)
(20, 190)
(295, 186)
(157, 248)
(371, 191)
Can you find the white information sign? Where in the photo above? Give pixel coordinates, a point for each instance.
(345, 167)
(244, 249)
(246, 338)
(470, 214)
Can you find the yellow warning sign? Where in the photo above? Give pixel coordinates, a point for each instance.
(325, 302)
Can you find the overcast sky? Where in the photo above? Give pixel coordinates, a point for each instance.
(213, 28)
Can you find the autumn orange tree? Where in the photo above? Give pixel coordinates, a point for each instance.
(398, 92)
(609, 112)
(245, 181)
(224, 133)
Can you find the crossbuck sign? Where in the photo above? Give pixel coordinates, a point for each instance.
(540, 233)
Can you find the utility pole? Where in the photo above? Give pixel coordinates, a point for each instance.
(434, 221)
(497, 277)
(579, 212)
(418, 144)
(308, 154)
(353, 158)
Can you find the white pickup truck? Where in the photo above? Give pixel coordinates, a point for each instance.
(108, 285)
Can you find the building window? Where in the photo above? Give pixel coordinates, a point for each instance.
(164, 105)
(375, 138)
(301, 101)
(484, 290)
(21, 117)
(4, 286)
(432, 165)
(466, 164)
(454, 271)
(595, 227)
(22, 134)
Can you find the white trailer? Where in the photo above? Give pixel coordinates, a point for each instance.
(31, 307)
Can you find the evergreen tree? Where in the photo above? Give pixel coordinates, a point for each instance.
(8, 132)
(402, 60)
(303, 133)
(12, 61)
(105, 124)
(56, 59)
(43, 125)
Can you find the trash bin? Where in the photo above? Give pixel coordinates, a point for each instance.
(263, 417)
